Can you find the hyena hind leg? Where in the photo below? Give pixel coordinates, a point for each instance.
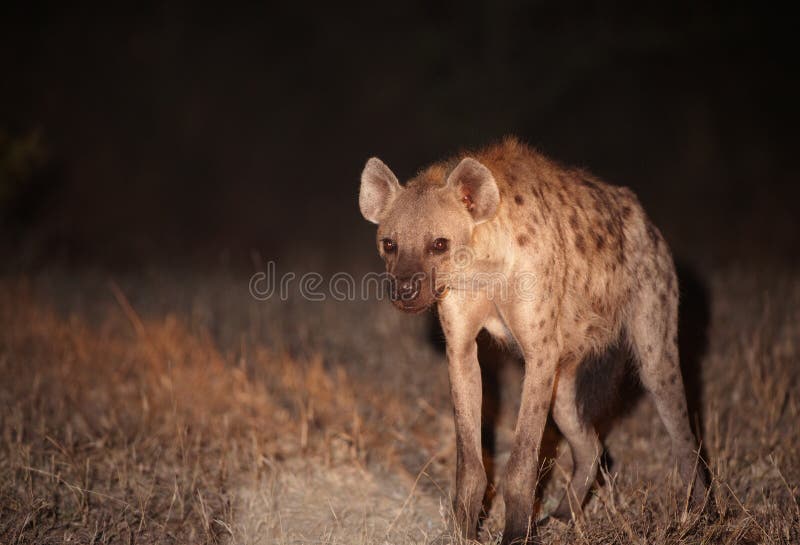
(583, 443)
(652, 332)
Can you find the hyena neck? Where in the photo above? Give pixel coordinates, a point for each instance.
(489, 248)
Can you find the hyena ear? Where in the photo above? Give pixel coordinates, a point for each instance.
(476, 188)
(379, 186)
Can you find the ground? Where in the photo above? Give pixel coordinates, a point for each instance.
(173, 407)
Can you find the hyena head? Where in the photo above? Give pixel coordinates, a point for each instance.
(425, 228)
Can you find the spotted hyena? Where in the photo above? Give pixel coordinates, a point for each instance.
(602, 276)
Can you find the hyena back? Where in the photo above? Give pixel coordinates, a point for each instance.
(601, 273)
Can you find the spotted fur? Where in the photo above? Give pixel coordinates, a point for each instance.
(602, 272)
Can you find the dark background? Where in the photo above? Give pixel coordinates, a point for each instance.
(167, 133)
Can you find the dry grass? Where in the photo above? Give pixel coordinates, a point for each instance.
(167, 410)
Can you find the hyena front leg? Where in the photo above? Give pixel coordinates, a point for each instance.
(461, 321)
(519, 484)
(653, 331)
(582, 439)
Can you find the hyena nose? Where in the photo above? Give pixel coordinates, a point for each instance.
(407, 289)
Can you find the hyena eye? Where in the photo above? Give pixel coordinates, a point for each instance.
(440, 245)
(389, 246)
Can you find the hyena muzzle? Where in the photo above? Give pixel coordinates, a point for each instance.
(554, 261)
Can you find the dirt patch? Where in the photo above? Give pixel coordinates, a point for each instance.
(304, 502)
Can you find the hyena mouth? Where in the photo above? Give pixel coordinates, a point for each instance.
(414, 310)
